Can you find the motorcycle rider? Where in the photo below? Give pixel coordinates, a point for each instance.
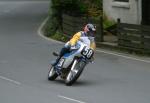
(86, 36)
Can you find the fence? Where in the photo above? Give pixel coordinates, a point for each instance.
(71, 25)
(134, 37)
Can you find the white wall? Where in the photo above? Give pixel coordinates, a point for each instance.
(129, 12)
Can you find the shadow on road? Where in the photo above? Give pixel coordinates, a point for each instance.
(77, 83)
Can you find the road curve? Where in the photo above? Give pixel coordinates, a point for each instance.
(25, 57)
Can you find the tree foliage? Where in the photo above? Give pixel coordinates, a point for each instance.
(71, 7)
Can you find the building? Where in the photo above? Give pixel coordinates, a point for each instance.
(129, 11)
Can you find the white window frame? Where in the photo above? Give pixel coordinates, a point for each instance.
(120, 1)
(121, 4)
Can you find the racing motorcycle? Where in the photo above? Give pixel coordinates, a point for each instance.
(72, 64)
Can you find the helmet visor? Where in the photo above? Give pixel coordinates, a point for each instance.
(91, 33)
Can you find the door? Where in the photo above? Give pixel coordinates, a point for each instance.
(146, 12)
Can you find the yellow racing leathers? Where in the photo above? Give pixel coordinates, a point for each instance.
(82, 36)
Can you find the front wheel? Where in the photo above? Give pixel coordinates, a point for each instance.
(52, 75)
(75, 73)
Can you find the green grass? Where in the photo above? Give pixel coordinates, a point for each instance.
(59, 36)
(107, 23)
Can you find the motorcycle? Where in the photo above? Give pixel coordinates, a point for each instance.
(72, 64)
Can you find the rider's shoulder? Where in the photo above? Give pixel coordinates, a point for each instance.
(78, 33)
(82, 33)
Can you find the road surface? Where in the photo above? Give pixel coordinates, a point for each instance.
(25, 58)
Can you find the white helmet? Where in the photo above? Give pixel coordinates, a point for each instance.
(90, 29)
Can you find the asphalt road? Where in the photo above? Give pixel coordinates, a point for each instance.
(25, 57)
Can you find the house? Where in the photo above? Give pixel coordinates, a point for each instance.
(129, 11)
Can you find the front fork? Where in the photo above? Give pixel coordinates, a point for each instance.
(75, 62)
(73, 65)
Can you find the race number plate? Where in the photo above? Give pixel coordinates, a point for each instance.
(87, 52)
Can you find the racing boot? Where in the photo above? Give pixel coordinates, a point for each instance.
(62, 52)
(54, 63)
(58, 70)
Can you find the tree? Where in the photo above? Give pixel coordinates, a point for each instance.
(70, 7)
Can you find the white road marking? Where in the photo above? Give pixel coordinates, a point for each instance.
(41, 34)
(10, 80)
(127, 57)
(60, 96)
(101, 51)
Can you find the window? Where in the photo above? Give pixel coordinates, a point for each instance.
(121, 4)
(122, 0)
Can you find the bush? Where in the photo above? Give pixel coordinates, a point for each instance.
(59, 36)
(70, 7)
(51, 26)
(107, 22)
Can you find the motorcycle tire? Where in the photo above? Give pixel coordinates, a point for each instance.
(79, 66)
(52, 75)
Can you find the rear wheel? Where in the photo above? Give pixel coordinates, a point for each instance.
(52, 75)
(75, 73)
